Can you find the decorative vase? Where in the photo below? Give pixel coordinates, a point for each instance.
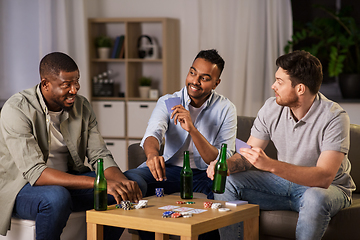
(103, 52)
(144, 91)
(350, 85)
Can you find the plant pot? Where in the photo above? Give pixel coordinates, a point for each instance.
(103, 52)
(350, 85)
(144, 91)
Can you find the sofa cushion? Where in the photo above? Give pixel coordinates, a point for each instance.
(282, 224)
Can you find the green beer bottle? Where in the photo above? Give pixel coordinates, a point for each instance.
(186, 178)
(100, 188)
(220, 172)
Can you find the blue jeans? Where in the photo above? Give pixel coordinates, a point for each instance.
(315, 205)
(147, 183)
(50, 207)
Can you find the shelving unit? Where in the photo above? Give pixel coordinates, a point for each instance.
(123, 117)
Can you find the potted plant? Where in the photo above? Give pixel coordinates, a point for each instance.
(335, 40)
(145, 85)
(103, 45)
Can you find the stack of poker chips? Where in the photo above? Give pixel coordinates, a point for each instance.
(216, 205)
(167, 214)
(159, 192)
(141, 204)
(126, 205)
(186, 214)
(207, 204)
(176, 215)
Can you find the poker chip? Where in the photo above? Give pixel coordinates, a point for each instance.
(141, 204)
(207, 204)
(216, 205)
(126, 205)
(186, 215)
(190, 202)
(180, 202)
(176, 215)
(118, 206)
(224, 209)
(167, 214)
(159, 192)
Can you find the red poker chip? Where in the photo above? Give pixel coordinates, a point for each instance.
(180, 202)
(207, 204)
(176, 215)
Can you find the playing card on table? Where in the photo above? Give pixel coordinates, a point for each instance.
(183, 209)
(171, 102)
(197, 211)
(240, 144)
(169, 207)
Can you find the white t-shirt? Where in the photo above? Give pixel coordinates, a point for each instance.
(58, 150)
(178, 158)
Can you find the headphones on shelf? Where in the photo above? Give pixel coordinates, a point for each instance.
(147, 50)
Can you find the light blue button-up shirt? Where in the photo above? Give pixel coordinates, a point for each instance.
(217, 122)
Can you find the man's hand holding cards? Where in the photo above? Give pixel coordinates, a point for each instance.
(240, 144)
(171, 102)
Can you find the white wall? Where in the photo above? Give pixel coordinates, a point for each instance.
(18, 66)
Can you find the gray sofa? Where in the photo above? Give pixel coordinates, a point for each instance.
(281, 224)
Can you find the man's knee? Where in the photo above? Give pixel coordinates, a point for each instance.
(56, 197)
(315, 199)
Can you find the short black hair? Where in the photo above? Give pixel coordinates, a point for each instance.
(212, 56)
(302, 67)
(55, 62)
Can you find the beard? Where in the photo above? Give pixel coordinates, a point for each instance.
(290, 100)
(60, 103)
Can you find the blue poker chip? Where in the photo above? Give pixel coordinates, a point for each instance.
(159, 192)
(167, 214)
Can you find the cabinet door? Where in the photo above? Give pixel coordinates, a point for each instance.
(118, 149)
(138, 117)
(111, 118)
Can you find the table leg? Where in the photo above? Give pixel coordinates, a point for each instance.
(161, 236)
(95, 231)
(251, 229)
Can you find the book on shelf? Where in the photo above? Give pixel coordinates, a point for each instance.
(116, 46)
(121, 43)
(122, 50)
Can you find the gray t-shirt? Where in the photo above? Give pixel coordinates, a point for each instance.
(326, 126)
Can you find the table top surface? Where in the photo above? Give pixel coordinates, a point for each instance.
(150, 218)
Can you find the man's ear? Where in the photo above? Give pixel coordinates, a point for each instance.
(44, 83)
(217, 83)
(300, 89)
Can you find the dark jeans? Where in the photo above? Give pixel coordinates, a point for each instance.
(50, 208)
(147, 184)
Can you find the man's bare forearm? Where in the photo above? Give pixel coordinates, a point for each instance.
(238, 163)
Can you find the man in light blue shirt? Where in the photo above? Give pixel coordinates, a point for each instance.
(200, 123)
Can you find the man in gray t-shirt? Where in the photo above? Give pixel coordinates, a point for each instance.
(311, 134)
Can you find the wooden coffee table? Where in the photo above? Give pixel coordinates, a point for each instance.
(150, 219)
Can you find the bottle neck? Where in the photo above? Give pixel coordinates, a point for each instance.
(222, 157)
(186, 160)
(100, 168)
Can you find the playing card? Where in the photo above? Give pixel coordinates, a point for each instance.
(169, 207)
(183, 209)
(240, 144)
(236, 203)
(170, 102)
(197, 211)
